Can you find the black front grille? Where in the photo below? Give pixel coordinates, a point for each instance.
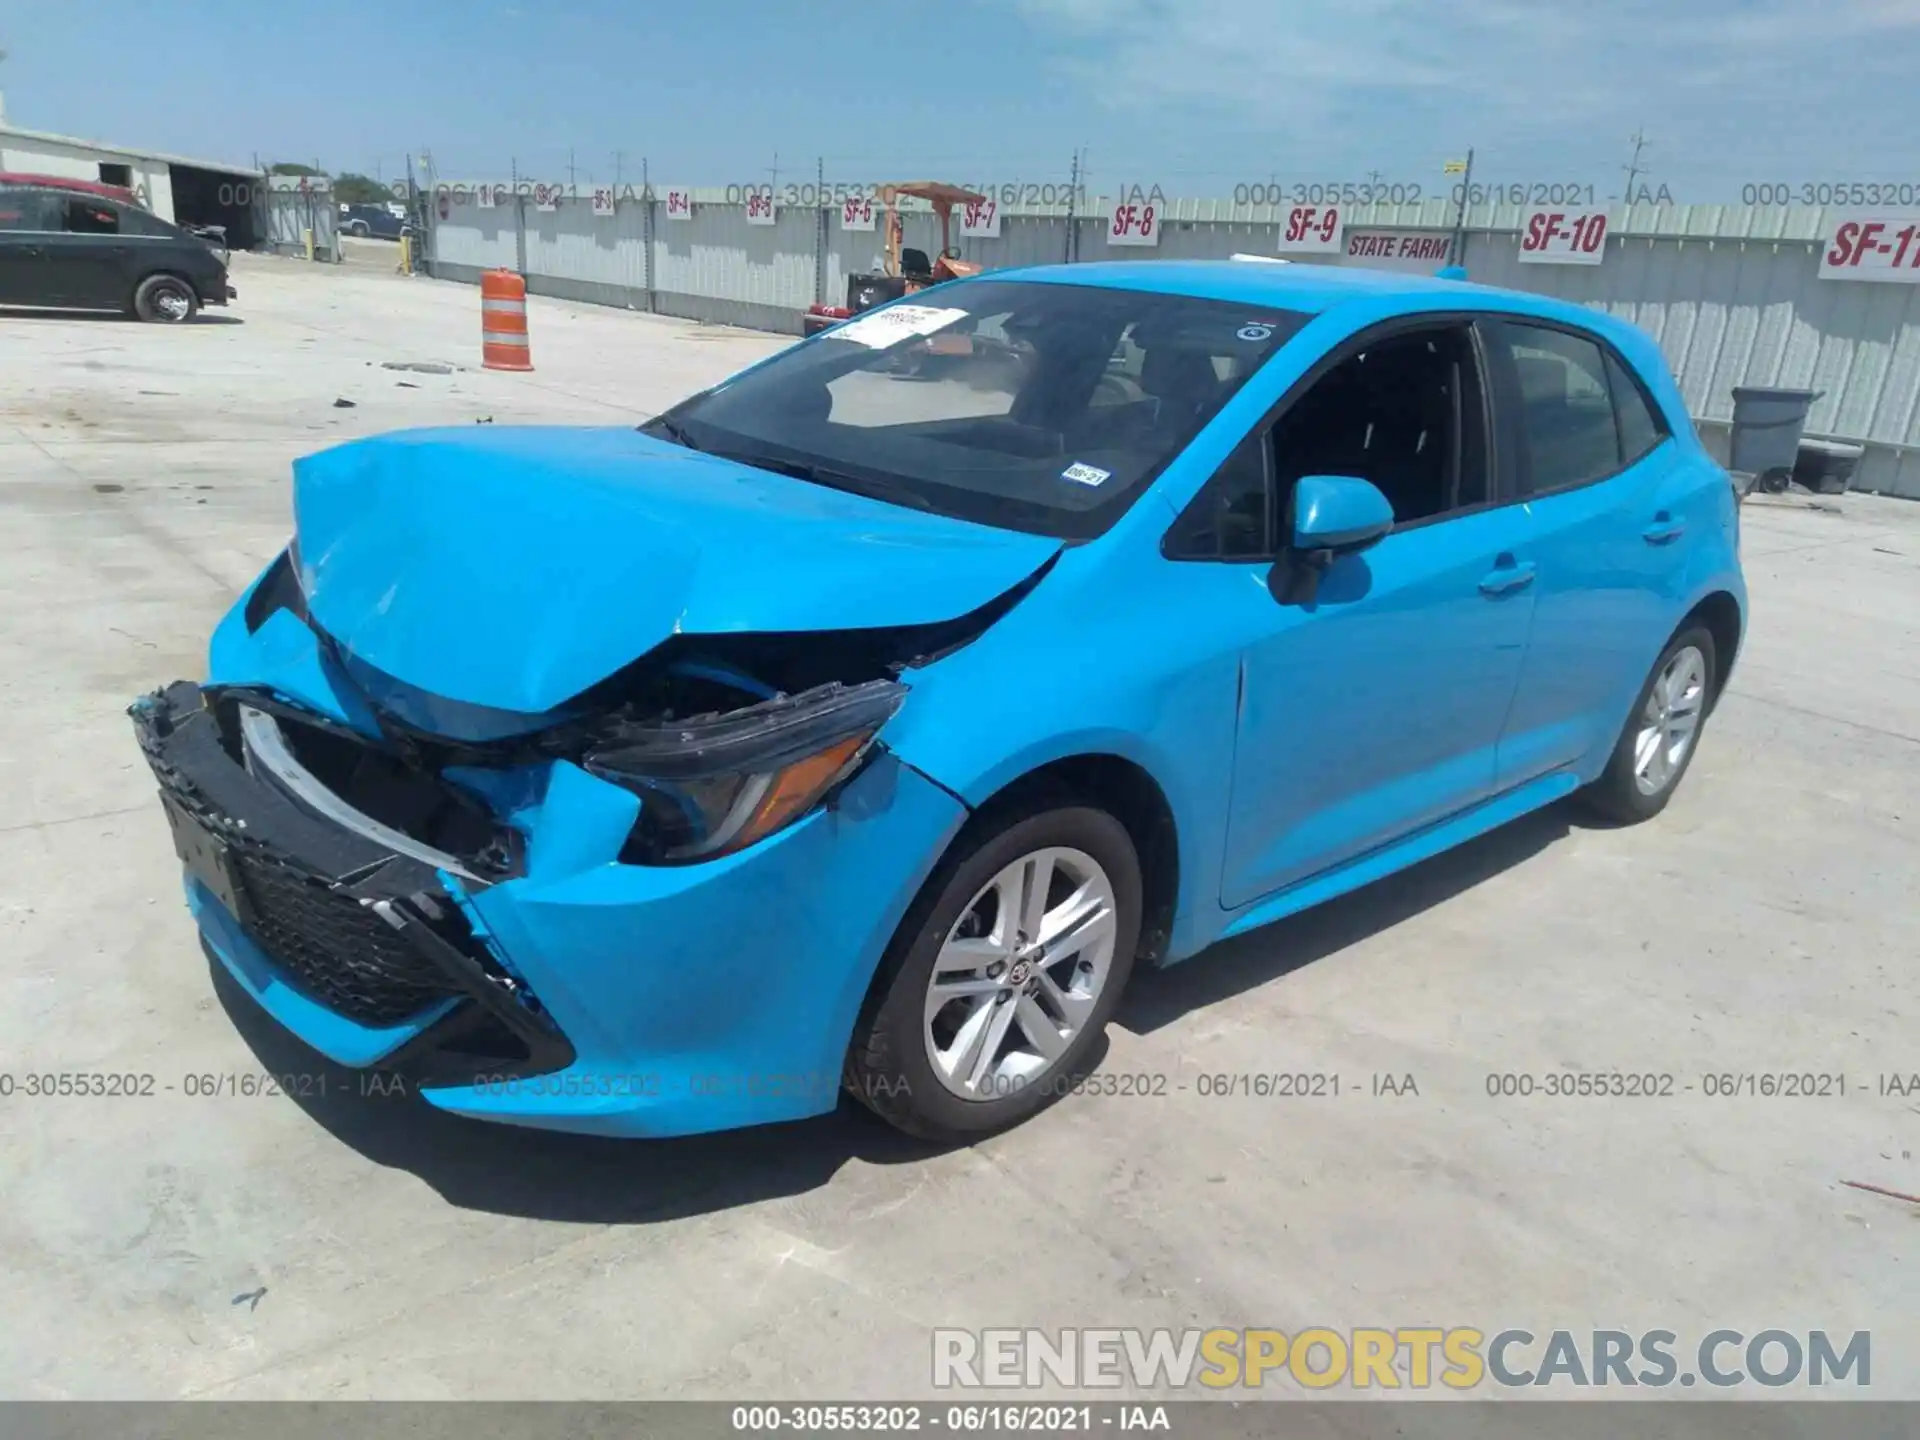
(335, 948)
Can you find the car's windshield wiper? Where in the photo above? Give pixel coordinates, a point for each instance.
(672, 429)
(835, 480)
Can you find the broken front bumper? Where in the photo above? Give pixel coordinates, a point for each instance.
(581, 994)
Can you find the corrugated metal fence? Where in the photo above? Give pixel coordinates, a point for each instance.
(286, 207)
(1731, 293)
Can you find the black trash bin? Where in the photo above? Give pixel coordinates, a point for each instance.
(1826, 466)
(1767, 422)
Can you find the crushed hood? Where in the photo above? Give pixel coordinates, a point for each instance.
(513, 567)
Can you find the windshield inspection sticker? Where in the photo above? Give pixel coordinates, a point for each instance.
(896, 323)
(1086, 474)
(1255, 331)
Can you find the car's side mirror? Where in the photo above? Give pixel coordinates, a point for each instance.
(1333, 515)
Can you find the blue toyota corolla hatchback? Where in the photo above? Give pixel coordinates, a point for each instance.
(863, 721)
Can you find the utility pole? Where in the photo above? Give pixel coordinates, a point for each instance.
(1639, 138)
(1458, 249)
(617, 156)
(572, 188)
(1073, 194)
(773, 175)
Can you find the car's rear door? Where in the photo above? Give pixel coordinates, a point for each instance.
(1607, 490)
(1377, 708)
(25, 277)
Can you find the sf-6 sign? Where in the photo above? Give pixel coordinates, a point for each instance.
(1563, 237)
(1873, 247)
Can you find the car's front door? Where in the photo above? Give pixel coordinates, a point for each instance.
(93, 259)
(1610, 498)
(1376, 708)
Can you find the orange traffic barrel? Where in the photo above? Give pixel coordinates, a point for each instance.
(503, 322)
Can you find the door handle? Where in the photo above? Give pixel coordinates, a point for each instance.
(1664, 530)
(1506, 577)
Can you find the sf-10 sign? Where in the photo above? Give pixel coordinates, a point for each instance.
(1133, 222)
(1873, 247)
(1312, 228)
(1563, 237)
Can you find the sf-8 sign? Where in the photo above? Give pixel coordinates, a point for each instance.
(1133, 222)
(1313, 228)
(1563, 237)
(980, 219)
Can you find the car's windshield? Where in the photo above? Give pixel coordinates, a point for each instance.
(1034, 406)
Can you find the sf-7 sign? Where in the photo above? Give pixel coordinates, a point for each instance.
(980, 219)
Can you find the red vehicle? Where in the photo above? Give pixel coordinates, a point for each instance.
(62, 182)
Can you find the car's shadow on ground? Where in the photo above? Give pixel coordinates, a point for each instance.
(1158, 997)
(545, 1175)
(110, 317)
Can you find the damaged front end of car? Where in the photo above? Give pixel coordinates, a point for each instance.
(423, 885)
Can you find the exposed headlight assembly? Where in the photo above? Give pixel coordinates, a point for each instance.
(717, 784)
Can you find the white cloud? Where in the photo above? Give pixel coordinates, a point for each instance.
(1501, 64)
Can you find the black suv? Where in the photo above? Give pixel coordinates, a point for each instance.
(72, 250)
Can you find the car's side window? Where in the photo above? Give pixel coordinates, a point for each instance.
(1403, 411)
(89, 217)
(1232, 518)
(24, 210)
(1566, 423)
(1639, 423)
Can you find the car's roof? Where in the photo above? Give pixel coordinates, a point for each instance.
(1309, 289)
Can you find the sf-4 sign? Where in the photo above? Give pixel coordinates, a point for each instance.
(1312, 228)
(1873, 247)
(1563, 237)
(980, 219)
(679, 204)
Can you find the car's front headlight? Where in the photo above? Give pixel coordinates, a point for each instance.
(717, 784)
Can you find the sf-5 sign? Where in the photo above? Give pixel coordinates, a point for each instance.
(1873, 247)
(1563, 237)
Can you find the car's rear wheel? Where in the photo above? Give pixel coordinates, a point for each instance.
(360, 229)
(165, 300)
(1660, 737)
(1002, 977)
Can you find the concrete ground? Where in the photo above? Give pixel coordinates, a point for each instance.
(274, 1247)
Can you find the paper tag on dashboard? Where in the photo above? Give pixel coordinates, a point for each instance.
(1082, 474)
(896, 323)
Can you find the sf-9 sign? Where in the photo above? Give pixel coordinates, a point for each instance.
(1563, 237)
(1132, 222)
(1313, 228)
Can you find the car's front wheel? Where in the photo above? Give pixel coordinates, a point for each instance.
(1001, 979)
(165, 300)
(1661, 734)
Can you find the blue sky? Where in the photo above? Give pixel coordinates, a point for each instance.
(1192, 95)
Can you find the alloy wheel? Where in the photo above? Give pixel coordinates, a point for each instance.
(1020, 973)
(1669, 720)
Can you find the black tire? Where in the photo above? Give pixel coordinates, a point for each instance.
(165, 300)
(1617, 795)
(359, 230)
(887, 1063)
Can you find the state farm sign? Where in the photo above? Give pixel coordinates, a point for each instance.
(1419, 251)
